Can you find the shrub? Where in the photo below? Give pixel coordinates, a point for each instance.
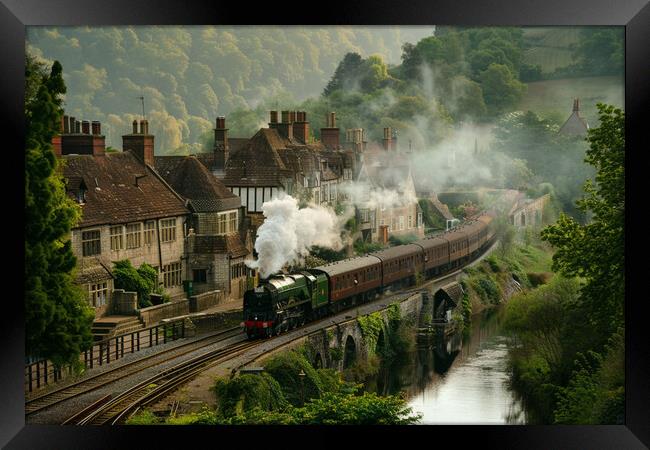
(143, 280)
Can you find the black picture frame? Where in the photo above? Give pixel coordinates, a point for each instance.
(633, 14)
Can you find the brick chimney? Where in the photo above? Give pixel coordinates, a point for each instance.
(221, 147)
(387, 141)
(330, 134)
(142, 143)
(301, 127)
(75, 138)
(354, 139)
(285, 129)
(274, 120)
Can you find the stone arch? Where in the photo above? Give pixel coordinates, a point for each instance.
(381, 340)
(318, 361)
(349, 352)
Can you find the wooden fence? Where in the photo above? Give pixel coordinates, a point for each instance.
(41, 373)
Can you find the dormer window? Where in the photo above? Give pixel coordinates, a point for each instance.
(81, 195)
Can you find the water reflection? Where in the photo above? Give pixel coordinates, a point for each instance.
(458, 380)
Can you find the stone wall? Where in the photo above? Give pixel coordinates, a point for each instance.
(170, 251)
(207, 323)
(154, 314)
(206, 300)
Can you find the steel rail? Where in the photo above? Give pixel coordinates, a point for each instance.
(99, 380)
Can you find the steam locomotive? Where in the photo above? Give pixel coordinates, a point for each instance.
(283, 302)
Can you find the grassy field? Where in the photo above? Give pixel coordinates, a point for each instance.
(555, 97)
(550, 46)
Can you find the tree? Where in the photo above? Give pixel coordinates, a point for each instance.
(596, 251)
(346, 71)
(501, 89)
(58, 318)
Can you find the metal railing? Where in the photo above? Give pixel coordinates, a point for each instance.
(43, 372)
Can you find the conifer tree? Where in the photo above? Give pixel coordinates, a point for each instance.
(58, 318)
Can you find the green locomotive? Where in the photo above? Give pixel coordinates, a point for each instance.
(284, 302)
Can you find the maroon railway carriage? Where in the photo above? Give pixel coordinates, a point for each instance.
(458, 245)
(400, 264)
(488, 220)
(436, 254)
(473, 230)
(352, 280)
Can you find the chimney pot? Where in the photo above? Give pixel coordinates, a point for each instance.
(72, 124)
(77, 127)
(274, 117)
(66, 124)
(285, 116)
(96, 127)
(85, 127)
(135, 126)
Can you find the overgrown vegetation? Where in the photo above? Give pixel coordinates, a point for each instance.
(569, 357)
(143, 280)
(278, 396)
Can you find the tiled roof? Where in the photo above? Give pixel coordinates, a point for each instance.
(113, 196)
(194, 182)
(575, 124)
(90, 271)
(258, 163)
(231, 244)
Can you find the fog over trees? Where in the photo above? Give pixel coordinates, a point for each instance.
(189, 75)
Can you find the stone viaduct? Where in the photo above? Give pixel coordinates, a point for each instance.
(342, 343)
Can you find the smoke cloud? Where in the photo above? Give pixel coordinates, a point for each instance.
(289, 231)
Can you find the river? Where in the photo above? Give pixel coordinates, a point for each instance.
(462, 380)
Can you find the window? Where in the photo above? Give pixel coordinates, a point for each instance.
(168, 230)
(91, 243)
(410, 222)
(149, 232)
(200, 275)
(117, 238)
(237, 270)
(97, 294)
(133, 235)
(232, 222)
(172, 274)
(222, 224)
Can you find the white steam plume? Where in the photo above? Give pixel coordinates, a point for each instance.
(288, 232)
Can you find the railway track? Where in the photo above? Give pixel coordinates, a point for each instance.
(64, 393)
(116, 410)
